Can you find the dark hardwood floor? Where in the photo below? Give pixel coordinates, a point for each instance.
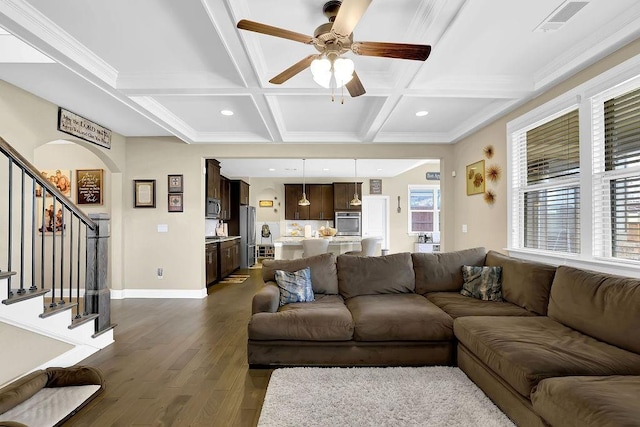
(179, 362)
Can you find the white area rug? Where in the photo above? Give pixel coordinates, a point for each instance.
(430, 396)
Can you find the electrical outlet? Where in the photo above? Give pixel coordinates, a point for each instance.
(160, 273)
(464, 228)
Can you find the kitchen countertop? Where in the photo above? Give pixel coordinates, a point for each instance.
(215, 239)
(335, 240)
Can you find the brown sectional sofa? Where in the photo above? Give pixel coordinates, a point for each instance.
(562, 348)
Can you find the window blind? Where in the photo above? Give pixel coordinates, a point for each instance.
(616, 165)
(546, 193)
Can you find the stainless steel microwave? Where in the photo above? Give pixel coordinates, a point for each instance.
(348, 223)
(212, 208)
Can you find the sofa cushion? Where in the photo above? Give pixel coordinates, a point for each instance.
(456, 305)
(481, 282)
(525, 350)
(601, 305)
(443, 271)
(390, 274)
(324, 276)
(294, 287)
(325, 319)
(525, 283)
(588, 401)
(398, 317)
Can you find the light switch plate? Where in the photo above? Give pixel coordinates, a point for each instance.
(163, 228)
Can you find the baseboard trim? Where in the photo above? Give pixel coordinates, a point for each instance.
(159, 293)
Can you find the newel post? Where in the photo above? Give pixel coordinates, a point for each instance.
(98, 296)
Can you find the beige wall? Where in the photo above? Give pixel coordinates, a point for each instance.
(487, 225)
(28, 122)
(180, 252)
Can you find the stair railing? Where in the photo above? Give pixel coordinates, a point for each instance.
(56, 249)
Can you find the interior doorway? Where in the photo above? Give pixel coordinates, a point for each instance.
(375, 218)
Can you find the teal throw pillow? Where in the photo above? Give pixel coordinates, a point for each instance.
(482, 282)
(294, 287)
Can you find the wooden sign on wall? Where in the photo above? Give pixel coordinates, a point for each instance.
(76, 125)
(89, 186)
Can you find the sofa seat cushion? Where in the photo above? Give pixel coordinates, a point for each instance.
(325, 319)
(588, 401)
(398, 317)
(525, 350)
(456, 305)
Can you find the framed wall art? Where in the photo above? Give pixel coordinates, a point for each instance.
(175, 184)
(175, 202)
(144, 193)
(375, 186)
(59, 178)
(89, 183)
(475, 178)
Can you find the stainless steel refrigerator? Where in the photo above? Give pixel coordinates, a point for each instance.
(247, 236)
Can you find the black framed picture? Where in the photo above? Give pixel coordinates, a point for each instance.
(174, 184)
(175, 202)
(144, 193)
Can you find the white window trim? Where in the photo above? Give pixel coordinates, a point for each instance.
(580, 96)
(436, 217)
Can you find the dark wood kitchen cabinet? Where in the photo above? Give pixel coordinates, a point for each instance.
(225, 198)
(342, 195)
(244, 193)
(213, 178)
(293, 211)
(211, 262)
(229, 257)
(321, 198)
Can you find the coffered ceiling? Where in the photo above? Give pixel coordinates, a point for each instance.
(167, 67)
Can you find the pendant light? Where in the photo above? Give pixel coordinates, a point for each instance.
(355, 201)
(303, 201)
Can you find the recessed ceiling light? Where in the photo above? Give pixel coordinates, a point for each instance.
(325, 169)
(379, 169)
(422, 113)
(226, 112)
(272, 170)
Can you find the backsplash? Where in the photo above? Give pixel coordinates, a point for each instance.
(296, 228)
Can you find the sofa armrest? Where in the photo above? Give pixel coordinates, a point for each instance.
(267, 299)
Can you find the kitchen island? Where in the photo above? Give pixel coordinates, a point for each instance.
(290, 247)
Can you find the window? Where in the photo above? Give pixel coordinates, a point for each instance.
(424, 209)
(547, 185)
(616, 174)
(574, 178)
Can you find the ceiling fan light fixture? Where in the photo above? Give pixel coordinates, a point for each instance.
(328, 74)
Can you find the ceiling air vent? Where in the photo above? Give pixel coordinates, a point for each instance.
(560, 16)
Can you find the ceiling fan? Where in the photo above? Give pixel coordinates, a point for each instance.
(332, 40)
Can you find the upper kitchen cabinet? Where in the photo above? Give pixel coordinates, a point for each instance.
(293, 211)
(343, 194)
(225, 198)
(321, 198)
(244, 193)
(213, 178)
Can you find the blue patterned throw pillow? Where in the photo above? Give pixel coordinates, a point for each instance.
(294, 287)
(482, 282)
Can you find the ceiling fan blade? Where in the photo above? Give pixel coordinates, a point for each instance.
(274, 31)
(348, 16)
(355, 87)
(418, 52)
(293, 70)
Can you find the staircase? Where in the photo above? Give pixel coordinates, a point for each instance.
(53, 262)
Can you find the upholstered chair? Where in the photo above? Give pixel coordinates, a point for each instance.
(313, 247)
(368, 247)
